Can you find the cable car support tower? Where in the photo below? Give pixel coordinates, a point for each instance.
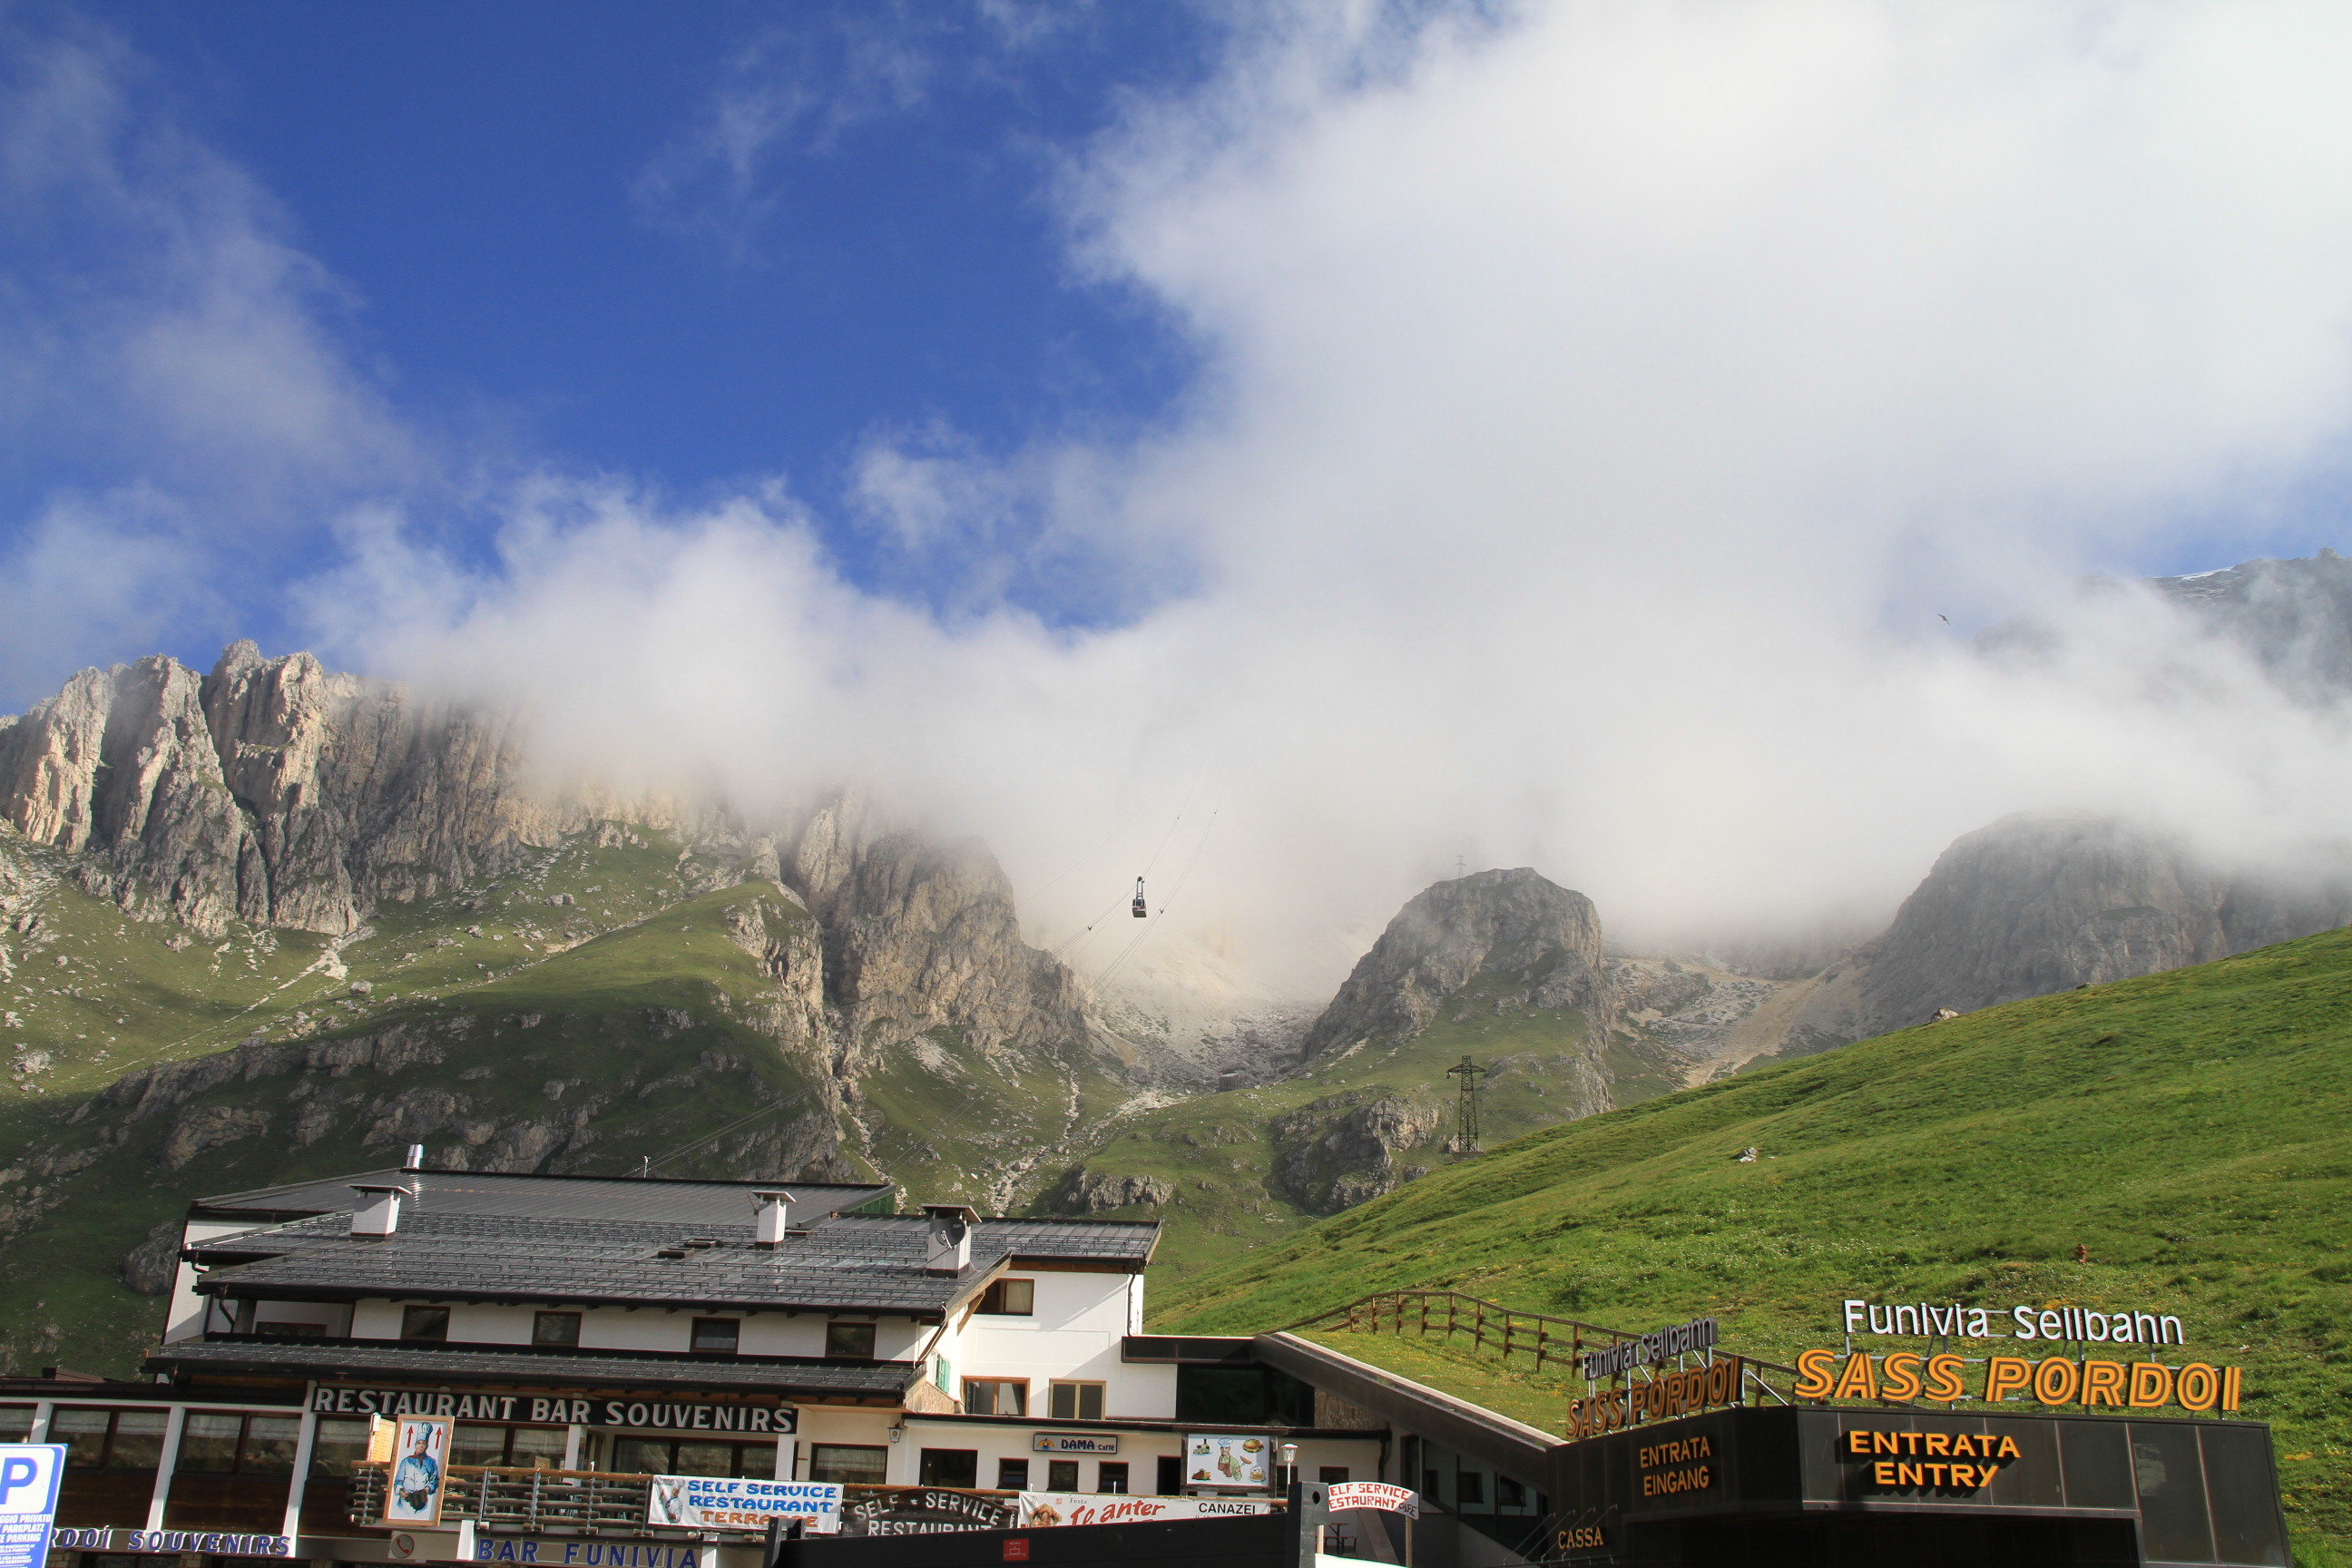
(1465, 1106)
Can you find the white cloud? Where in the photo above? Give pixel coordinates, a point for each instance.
(1585, 394)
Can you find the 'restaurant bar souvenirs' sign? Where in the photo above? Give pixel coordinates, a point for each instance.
(657, 1415)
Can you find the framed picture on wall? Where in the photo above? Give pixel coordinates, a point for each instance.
(420, 1467)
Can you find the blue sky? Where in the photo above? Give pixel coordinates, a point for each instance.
(1551, 435)
(701, 245)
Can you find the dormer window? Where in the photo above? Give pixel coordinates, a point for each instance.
(1009, 1298)
(850, 1340)
(425, 1322)
(718, 1336)
(555, 1329)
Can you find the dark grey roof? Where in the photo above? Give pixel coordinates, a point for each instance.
(656, 1199)
(364, 1363)
(849, 1263)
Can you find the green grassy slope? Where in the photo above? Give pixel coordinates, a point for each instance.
(1218, 1154)
(2192, 1130)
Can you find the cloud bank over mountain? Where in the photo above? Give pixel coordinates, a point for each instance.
(1600, 408)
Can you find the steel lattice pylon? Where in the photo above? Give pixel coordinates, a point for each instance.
(1466, 1105)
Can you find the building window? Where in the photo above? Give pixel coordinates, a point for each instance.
(1061, 1475)
(1509, 1493)
(950, 1467)
(1171, 1475)
(1078, 1402)
(16, 1423)
(718, 1336)
(1472, 1487)
(293, 1331)
(1431, 1486)
(1009, 1298)
(425, 1322)
(1110, 1476)
(692, 1457)
(555, 1328)
(339, 1443)
(849, 1340)
(1332, 1475)
(110, 1439)
(1013, 1475)
(849, 1464)
(996, 1395)
(239, 1445)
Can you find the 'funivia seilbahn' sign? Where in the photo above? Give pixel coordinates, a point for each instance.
(1956, 1321)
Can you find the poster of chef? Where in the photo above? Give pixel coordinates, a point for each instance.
(1215, 1461)
(420, 1456)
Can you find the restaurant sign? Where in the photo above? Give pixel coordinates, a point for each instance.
(1075, 1442)
(928, 1510)
(654, 1415)
(715, 1502)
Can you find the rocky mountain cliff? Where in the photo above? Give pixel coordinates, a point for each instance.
(277, 919)
(2037, 903)
(1504, 966)
(1536, 944)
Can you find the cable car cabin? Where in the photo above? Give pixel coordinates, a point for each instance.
(1140, 912)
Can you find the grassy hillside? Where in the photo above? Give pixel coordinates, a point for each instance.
(1219, 1155)
(584, 1011)
(2192, 1130)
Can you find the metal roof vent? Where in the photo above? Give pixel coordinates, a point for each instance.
(772, 1215)
(948, 1244)
(376, 1218)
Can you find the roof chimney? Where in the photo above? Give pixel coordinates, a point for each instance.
(773, 1215)
(948, 1248)
(376, 1218)
(416, 1158)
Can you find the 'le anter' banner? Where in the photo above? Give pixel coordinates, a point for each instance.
(29, 1502)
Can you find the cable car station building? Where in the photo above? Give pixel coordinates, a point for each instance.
(586, 1334)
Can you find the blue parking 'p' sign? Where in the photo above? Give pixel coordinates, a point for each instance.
(29, 1502)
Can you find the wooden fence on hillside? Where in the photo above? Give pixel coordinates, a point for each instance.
(1503, 1330)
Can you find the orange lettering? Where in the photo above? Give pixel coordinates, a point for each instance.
(1814, 1379)
(2005, 1376)
(2103, 1383)
(2198, 1386)
(1859, 1379)
(2055, 1380)
(1944, 1377)
(2151, 1385)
